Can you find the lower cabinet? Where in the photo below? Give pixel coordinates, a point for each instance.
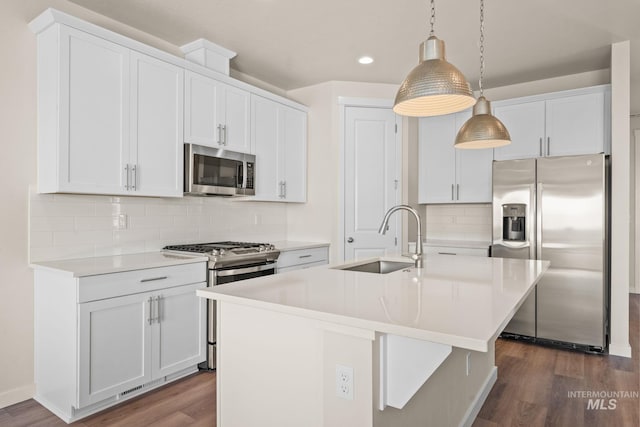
(298, 259)
(104, 338)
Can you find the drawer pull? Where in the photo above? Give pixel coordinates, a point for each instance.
(447, 253)
(153, 279)
(305, 256)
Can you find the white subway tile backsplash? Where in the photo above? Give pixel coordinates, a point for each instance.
(63, 226)
(458, 222)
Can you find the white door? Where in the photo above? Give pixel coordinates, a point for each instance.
(371, 181)
(264, 137)
(179, 335)
(437, 159)
(294, 150)
(94, 95)
(235, 113)
(202, 111)
(525, 123)
(115, 346)
(156, 126)
(575, 125)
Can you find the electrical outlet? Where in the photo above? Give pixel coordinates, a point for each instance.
(468, 364)
(344, 382)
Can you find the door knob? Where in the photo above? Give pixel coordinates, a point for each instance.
(350, 240)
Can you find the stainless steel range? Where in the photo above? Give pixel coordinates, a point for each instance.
(229, 262)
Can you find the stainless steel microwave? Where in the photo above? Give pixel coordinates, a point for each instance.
(217, 172)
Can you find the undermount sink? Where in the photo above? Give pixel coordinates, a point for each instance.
(380, 267)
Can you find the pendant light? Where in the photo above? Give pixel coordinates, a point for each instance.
(482, 130)
(434, 87)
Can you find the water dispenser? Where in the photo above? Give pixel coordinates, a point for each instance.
(514, 222)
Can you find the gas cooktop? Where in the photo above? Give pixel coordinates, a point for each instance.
(228, 253)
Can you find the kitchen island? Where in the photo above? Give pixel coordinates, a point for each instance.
(333, 347)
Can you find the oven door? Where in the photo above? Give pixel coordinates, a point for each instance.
(228, 275)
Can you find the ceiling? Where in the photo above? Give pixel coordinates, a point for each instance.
(297, 43)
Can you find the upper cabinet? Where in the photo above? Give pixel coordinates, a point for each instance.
(558, 124)
(109, 119)
(279, 135)
(114, 114)
(216, 114)
(447, 174)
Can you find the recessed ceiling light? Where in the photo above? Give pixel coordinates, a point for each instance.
(365, 60)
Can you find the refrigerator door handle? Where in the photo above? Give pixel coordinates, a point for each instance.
(539, 221)
(540, 146)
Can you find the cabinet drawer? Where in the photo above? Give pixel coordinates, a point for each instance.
(448, 250)
(302, 256)
(111, 285)
(301, 267)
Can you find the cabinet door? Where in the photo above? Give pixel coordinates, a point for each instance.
(114, 347)
(179, 333)
(473, 171)
(93, 115)
(575, 125)
(156, 127)
(436, 171)
(294, 148)
(234, 106)
(264, 135)
(526, 125)
(202, 115)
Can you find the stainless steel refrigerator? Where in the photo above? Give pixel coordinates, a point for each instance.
(557, 209)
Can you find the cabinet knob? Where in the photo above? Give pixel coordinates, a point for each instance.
(350, 240)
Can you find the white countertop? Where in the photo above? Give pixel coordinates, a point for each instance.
(460, 301)
(290, 245)
(81, 267)
(457, 243)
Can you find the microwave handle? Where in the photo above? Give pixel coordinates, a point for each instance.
(240, 178)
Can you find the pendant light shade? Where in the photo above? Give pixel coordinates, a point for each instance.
(482, 130)
(434, 87)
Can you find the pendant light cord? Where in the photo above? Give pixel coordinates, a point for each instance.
(481, 45)
(432, 20)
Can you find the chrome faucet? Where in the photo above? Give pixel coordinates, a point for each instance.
(417, 257)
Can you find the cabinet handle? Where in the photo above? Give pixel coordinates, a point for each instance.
(281, 195)
(126, 177)
(452, 198)
(304, 256)
(446, 253)
(548, 145)
(153, 279)
(150, 319)
(224, 134)
(284, 189)
(220, 135)
(457, 191)
(158, 308)
(540, 155)
(134, 177)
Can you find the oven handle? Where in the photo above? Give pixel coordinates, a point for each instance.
(252, 269)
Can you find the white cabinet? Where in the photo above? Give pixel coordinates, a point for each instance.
(109, 119)
(216, 114)
(107, 337)
(556, 124)
(298, 259)
(447, 174)
(279, 137)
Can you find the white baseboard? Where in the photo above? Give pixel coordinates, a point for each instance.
(620, 350)
(17, 395)
(474, 409)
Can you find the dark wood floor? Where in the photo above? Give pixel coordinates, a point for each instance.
(532, 390)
